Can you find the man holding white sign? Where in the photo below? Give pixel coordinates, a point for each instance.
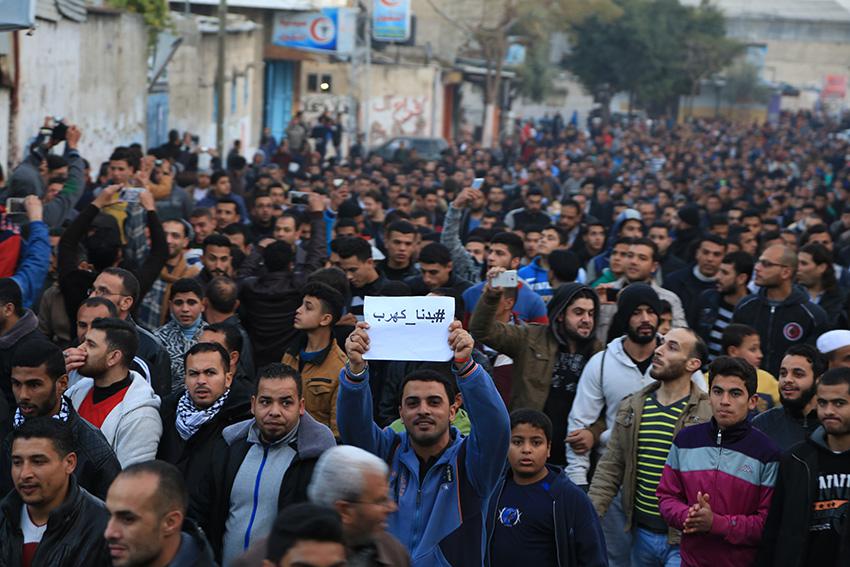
(440, 480)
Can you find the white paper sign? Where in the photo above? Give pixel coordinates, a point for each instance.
(409, 328)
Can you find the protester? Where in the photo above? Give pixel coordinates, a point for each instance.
(742, 341)
(114, 398)
(261, 465)
(835, 345)
(39, 381)
(782, 314)
(539, 516)
(48, 519)
(186, 304)
(807, 520)
(354, 483)
(567, 342)
(647, 422)
(148, 524)
(193, 421)
(721, 508)
(316, 354)
(18, 326)
(715, 307)
(793, 422)
(306, 534)
(434, 531)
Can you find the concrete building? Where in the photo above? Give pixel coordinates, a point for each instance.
(84, 63)
(801, 43)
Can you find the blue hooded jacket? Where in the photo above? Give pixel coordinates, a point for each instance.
(441, 516)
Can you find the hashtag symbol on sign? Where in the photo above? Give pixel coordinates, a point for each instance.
(439, 315)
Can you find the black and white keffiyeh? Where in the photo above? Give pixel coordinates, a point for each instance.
(61, 416)
(190, 418)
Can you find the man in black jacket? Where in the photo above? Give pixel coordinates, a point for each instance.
(690, 282)
(38, 383)
(807, 523)
(262, 464)
(153, 495)
(797, 418)
(269, 300)
(48, 519)
(193, 421)
(782, 314)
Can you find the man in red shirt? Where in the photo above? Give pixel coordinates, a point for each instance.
(116, 399)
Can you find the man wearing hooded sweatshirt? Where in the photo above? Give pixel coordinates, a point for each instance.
(115, 399)
(548, 359)
(17, 325)
(621, 369)
(782, 314)
(807, 523)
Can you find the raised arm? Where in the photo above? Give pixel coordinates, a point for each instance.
(354, 402)
(489, 436)
(33, 266)
(462, 260)
(507, 339)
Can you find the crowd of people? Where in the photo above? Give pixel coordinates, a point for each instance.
(650, 350)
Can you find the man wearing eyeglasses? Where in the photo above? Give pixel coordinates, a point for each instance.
(121, 288)
(782, 314)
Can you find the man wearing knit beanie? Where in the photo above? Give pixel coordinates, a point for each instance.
(621, 369)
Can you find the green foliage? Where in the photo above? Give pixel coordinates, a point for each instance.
(154, 12)
(656, 50)
(744, 86)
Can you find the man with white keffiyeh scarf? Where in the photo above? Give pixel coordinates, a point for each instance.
(193, 420)
(39, 381)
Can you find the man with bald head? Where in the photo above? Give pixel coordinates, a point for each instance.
(782, 314)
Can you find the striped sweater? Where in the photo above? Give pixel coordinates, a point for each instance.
(737, 467)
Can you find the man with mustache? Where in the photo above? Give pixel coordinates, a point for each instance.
(797, 418)
(546, 383)
(48, 519)
(39, 381)
(807, 523)
(621, 369)
(261, 465)
(640, 440)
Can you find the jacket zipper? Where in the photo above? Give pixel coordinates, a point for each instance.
(770, 326)
(415, 534)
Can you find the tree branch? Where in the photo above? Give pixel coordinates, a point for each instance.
(449, 19)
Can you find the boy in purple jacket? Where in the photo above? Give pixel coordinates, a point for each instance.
(719, 477)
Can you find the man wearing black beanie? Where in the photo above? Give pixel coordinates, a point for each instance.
(621, 369)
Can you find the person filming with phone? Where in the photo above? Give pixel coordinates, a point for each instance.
(548, 359)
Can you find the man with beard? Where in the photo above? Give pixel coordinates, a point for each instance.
(807, 523)
(716, 306)
(646, 423)
(792, 423)
(39, 381)
(115, 399)
(782, 314)
(547, 382)
(217, 258)
(611, 375)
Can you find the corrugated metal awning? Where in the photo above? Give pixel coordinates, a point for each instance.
(72, 9)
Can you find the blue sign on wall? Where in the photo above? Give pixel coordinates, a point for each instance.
(330, 29)
(391, 20)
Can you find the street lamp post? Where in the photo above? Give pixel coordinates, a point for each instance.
(219, 78)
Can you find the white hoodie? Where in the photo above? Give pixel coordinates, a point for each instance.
(596, 393)
(133, 427)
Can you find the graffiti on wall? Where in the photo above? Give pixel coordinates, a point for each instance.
(394, 115)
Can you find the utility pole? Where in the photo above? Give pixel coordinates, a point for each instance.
(219, 80)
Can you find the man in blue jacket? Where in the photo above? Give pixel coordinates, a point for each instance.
(538, 516)
(440, 480)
